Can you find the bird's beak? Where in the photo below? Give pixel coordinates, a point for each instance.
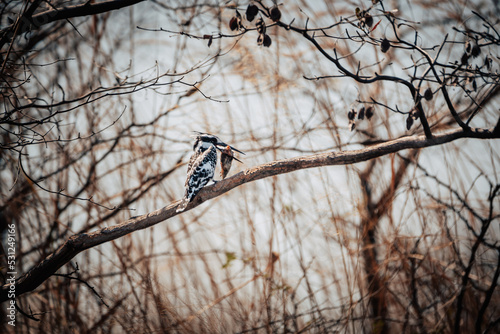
(237, 160)
(224, 145)
(235, 149)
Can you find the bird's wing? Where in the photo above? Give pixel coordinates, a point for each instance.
(192, 160)
(203, 167)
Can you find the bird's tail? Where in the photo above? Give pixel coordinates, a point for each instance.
(182, 206)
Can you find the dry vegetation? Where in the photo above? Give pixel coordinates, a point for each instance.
(338, 221)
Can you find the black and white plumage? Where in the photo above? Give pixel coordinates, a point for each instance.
(201, 166)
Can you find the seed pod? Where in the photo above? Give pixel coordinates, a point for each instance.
(233, 24)
(351, 114)
(468, 47)
(369, 112)
(261, 26)
(409, 122)
(251, 12)
(260, 39)
(415, 113)
(358, 13)
(368, 20)
(476, 51)
(361, 113)
(385, 45)
(464, 59)
(487, 63)
(267, 40)
(352, 125)
(275, 14)
(428, 94)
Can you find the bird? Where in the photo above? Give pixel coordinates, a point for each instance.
(202, 164)
(226, 159)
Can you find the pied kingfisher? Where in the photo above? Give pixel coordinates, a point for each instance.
(201, 166)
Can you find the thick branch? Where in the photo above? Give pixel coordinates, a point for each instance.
(78, 243)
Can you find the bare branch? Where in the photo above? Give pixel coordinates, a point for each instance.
(78, 243)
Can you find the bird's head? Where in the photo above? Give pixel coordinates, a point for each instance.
(204, 140)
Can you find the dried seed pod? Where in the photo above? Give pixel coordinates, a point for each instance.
(369, 112)
(233, 24)
(260, 39)
(358, 13)
(351, 114)
(361, 113)
(267, 40)
(251, 12)
(409, 122)
(415, 113)
(261, 26)
(385, 45)
(368, 20)
(487, 63)
(464, 59)
(468, 47)
(275, 14)
(476, 51)
(428, 94)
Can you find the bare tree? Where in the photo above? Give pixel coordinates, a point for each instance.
(98, 101)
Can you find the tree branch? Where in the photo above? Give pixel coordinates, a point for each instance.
(80, 242)
(29, 21)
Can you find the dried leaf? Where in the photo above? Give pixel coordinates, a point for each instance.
(230, 256)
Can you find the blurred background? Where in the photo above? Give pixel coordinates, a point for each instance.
(95, 125)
